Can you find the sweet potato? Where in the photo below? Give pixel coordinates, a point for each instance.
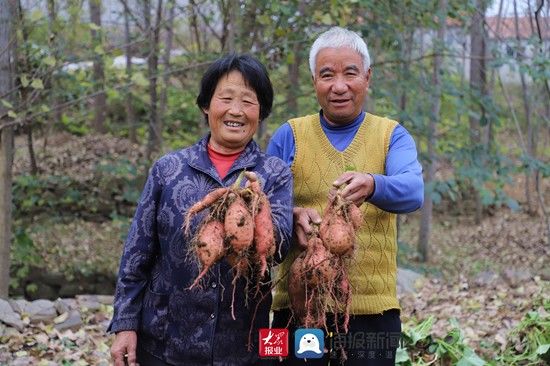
(239, 227)
(355, 216)
(209, 247)
(206, 202)
(317, 266)
(264, 233)
(310, 283)
(337, 235)
(264, 236)
(239, 264)
(297, 288)
(318, 279)
(340, 221)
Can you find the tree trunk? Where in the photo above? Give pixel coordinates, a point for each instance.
(7, 12)
(293, 86)
(477, 86)
(249, 27)
(30, 148)
(427, 209)
(154, 142)
(55, 118)
(231, 31)
(166, 63)
(406, 53)
(228, 10)
(194, 26)
(99, 101)
(545, 96)
(131, 122)
(489, 137)
(24, 68)
(529, 181)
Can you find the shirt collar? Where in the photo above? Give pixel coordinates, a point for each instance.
(356, 121)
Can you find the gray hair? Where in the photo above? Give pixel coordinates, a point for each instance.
(337, 37)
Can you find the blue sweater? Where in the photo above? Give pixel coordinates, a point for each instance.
(193, 327)
(400, 190)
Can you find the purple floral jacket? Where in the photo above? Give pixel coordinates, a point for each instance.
(194, 327)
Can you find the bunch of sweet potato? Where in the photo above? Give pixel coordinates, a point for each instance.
(238, 227)
(318, 280)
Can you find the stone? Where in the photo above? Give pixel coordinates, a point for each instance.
(61, 306)
(73, 322)
(38, 310)
(9, 316)
(18, 305)
(545, 274)
(516, 277)
(105, 299)
(23, 361)
(90, 302)
(485, 278)
(407, 281)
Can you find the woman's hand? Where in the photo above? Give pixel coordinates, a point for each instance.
(125, 343)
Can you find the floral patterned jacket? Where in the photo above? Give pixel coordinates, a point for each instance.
(194, 327)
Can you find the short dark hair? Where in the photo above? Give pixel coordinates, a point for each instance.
(255, 76)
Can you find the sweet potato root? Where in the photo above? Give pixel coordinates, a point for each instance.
(209, 247)
(337, 234)
(355, 216)
(239, 227)
(248, 239)
(264, 233)
(318, 281)
(264, 236)
(340, 221)
(206, 202)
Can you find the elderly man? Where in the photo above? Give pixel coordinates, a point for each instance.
(375, 160)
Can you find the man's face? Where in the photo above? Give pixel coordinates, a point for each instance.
(340, 83)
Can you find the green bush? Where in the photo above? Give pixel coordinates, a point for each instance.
(527, 344)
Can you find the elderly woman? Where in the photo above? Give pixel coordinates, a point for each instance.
(157, 319)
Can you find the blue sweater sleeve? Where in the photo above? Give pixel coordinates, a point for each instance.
(401, 189)
(281, 144)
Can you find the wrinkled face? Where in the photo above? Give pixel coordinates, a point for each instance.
(341, 84)
(233, 114)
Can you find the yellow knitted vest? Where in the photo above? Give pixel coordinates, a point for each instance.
(316, 165)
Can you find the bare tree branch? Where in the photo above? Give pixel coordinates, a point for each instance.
(20, 122)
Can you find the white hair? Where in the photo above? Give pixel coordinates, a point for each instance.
(337, 37)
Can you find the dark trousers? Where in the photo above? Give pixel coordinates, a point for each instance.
(372, 340)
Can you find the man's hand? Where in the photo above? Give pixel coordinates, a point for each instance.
(303, 220)
(359, 186)
(125, 343)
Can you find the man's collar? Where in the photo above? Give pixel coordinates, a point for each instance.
(324, 121)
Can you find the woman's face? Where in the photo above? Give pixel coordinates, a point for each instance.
(233, 114)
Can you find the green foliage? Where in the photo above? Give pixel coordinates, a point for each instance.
(419, 347)
(114, 187)
(23, 256)
(33, 194)
(75, 247)
(122, 178)
(528, 343)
